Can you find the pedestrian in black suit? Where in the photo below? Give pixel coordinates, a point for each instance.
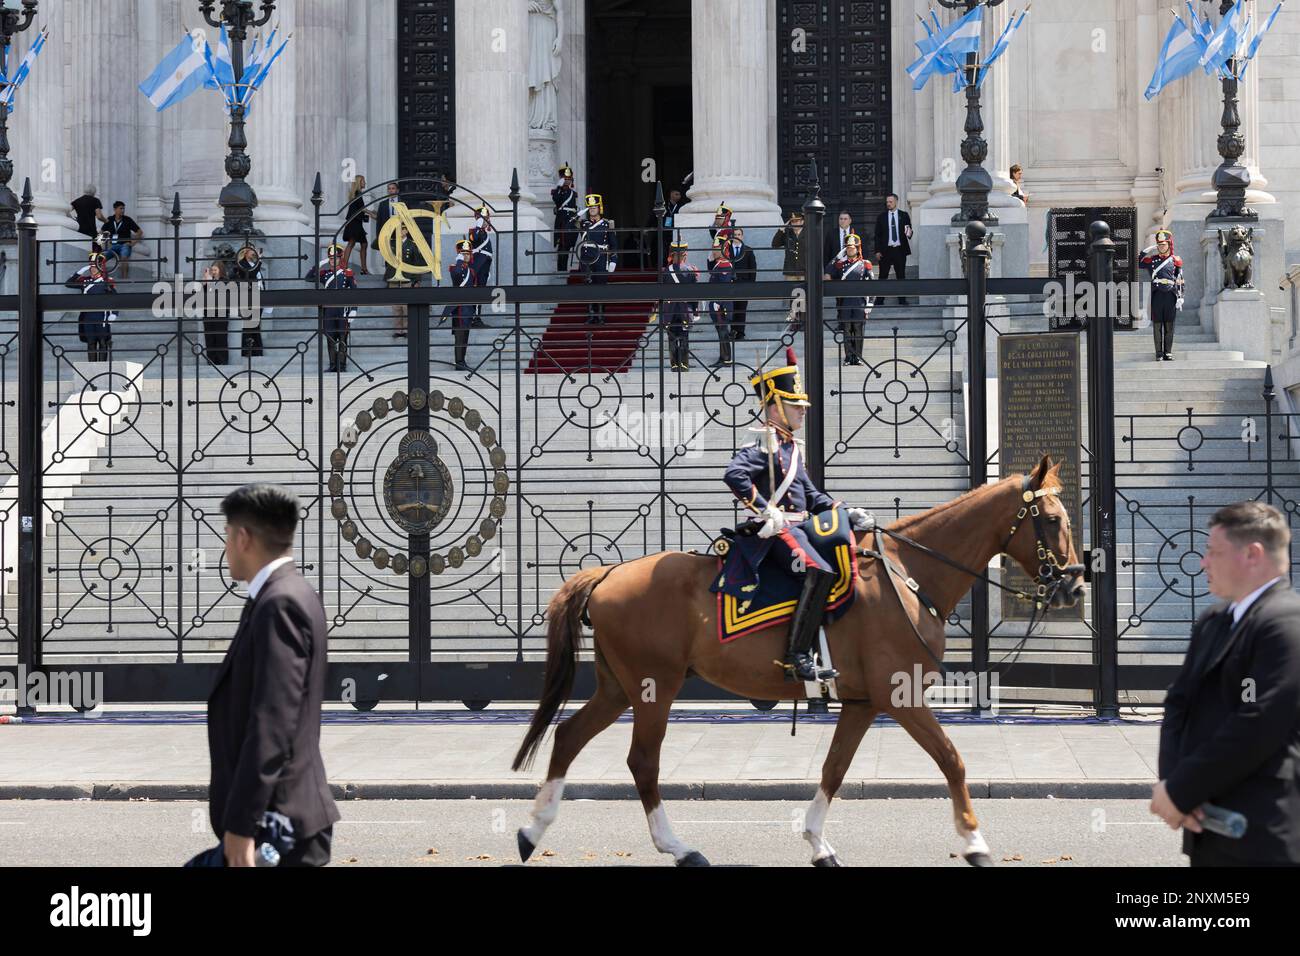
(893, 230)
(836, 237)
(1231, 732)
(264, 709)
(745, 263)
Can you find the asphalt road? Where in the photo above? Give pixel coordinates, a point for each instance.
(442, 833)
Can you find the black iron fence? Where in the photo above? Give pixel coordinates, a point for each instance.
(560, 443)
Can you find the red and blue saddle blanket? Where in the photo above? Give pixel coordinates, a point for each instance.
(754, 594)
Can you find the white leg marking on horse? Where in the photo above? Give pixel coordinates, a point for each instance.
(661, 833)
(813, 821)
(545, 807)
(974, 842)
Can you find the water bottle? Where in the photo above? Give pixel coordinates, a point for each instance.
(266, 855)
(1226, 823)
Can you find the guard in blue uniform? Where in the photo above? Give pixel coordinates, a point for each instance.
(95, 328)
(678, 316)
(596, 253)
(721, 270)
(338, 319)
(851, 266)
(779, 512)
(463, 276)
(1166, 291)
(565, 198)
(480, 237)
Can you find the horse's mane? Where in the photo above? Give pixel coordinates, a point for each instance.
(908, 521)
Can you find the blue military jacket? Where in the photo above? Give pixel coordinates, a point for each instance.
(747, 477)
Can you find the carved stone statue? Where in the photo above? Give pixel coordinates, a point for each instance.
(545, 40)
(1237, 250)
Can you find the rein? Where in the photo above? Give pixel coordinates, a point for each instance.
(1051, 572)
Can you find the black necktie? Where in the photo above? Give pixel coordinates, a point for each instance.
(893, 229)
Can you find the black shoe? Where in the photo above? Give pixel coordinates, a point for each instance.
(1169, 356)
(462, 367)
(804, 668)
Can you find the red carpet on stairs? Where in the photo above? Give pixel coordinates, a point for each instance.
(570, 345)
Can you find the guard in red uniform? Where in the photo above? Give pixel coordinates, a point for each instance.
(1166, 291)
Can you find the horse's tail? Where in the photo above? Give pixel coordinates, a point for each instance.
(563, 635)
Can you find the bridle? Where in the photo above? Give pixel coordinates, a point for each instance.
(1051, 572)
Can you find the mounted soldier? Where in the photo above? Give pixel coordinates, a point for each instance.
(678, 316)
(596, 252)
(1166, 291)
(770, 480)
(565, 198)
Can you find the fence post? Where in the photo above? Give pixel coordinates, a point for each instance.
(1101, 474)
(31, 387)
(1268, 396)
(977, 256)
(177, 278)
(814, 215)
(661, 211)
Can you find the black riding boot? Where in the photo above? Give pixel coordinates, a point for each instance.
(343, 352)
(460, 338)
(331, 346)
(1169, 340)
(805, 624)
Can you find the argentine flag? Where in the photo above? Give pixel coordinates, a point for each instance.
(1000, 47)
(265, 67)
(24, 68)
(1180, 55)
(1258, 38)
(182, 71)
(940, 53)
(1222, 46)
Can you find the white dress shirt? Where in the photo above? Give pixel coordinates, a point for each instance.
(893, 228)
(259, 579)
(1242, 606)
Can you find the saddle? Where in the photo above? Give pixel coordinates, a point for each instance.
(754, 594)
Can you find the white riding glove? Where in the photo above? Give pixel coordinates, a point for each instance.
(610, 266)
(773, 522)
(861, 519)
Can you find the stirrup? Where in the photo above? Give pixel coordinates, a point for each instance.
(801, 666)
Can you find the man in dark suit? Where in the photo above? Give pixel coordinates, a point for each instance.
(836, 238)
(1231, 732)
(383, 211)
(746, 265)
(264, 710)
(893, 230)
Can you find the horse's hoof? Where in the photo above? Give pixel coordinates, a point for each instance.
(694, 858)
(979, 859)
(526, 846)
(831, 860)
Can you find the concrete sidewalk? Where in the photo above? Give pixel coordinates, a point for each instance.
(718, 756)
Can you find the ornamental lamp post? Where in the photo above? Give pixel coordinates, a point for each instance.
(13, 21)
(1231, 179)
(974, 182)
(237, 198)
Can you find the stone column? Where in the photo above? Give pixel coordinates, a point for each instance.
(573, 97)
(492, 107)
(102, 100)
(282, 201)
(37, 139)
(373, 118)
(731, 135)
(323, 84)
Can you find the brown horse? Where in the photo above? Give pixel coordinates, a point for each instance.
(654, 621)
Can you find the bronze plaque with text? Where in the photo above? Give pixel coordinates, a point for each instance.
(1038, 414)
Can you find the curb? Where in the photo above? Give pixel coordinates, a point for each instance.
(794, 790)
